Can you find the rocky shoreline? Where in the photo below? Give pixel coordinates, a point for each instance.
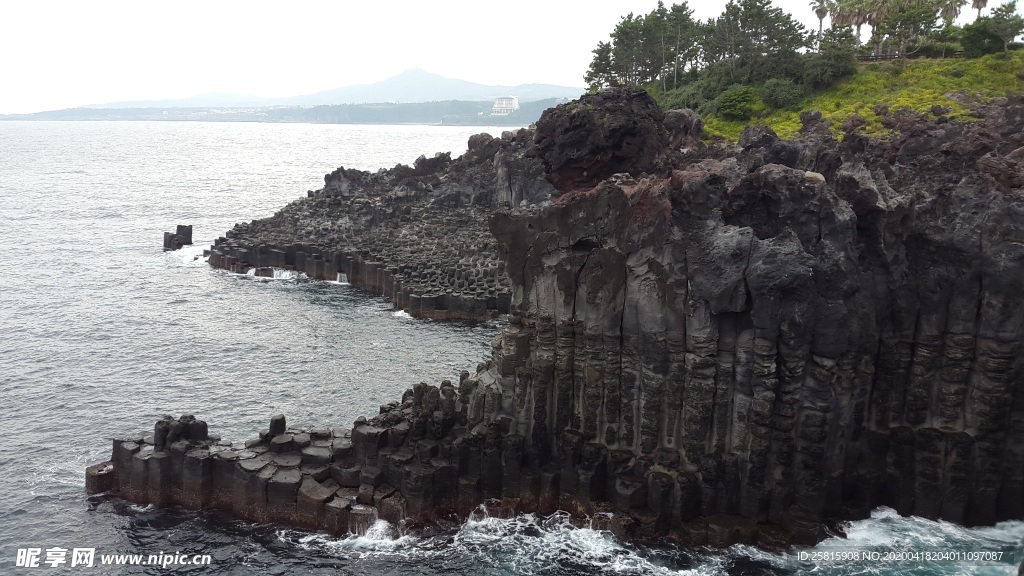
(417, 235)
(714, 343)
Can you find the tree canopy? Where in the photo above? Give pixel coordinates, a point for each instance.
(707, 65)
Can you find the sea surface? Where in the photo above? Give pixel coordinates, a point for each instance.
(101, 333)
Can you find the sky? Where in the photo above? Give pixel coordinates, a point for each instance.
(63, 54)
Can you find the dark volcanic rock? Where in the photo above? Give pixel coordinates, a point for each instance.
(744, 346)
(616, 130)
(803, 339)
(182, 236)
(417, 235)
(684, 127)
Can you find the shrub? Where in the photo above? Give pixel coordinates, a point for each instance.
(824, 69)
(782, 94)
(938, 49)
(736, 103)
(786, 65)
(686, 96)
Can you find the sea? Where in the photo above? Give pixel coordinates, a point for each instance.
(102, 333)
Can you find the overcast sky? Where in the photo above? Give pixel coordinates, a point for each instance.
(63, 54)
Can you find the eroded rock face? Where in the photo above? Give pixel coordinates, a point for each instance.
(760, 340)
(415, 234)
(616, 130)
(744, 345)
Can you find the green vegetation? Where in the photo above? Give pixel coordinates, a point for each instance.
(754, 62)
(915, 85)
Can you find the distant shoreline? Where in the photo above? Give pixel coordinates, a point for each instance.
(247, 121)
(446, 113)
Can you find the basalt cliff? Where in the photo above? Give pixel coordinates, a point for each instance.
(717, 342)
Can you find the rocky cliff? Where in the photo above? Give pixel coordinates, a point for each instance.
(724, 343)
(783, 332)
(416, 234)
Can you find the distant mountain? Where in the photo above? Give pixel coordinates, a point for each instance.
(420, 86)
(449, 112)
(408, 87)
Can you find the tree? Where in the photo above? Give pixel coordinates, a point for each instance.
(978, 40)
(685, 32)
(950, 9)
(748, 32)
(978, 5)
(643, 49)
(903, 24)
(945, 39)
(1006, 24)
(851, 13)
(723, 40)
(600, 72)
(822, 8)
(654, 48)
(626, 51)
(835, 59)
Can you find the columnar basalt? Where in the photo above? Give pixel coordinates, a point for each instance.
(182, 236)
(742, 344)
(416, 235)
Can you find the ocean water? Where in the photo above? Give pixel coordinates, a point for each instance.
(101, 333)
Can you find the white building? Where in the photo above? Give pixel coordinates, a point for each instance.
(505, 105)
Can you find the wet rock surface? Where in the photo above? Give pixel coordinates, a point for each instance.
(746, 344)
(182, 236)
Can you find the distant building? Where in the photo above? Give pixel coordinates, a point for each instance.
(505, 105)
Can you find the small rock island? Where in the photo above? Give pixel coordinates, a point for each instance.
(712, 342)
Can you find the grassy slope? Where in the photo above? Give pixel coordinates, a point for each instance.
(918, 85)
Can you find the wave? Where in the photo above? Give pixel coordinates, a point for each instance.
(530, 544)
(279, 274)
(888, 543)
(191, 255)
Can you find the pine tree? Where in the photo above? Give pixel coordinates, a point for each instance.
(1006, 24)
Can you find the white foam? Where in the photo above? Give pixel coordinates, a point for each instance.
(279, 274)
(381, 539)
(886, 530)
(528, 544)
(191, 255)
(401, 314)
(537, 544)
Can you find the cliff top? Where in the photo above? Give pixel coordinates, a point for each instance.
(949, 88)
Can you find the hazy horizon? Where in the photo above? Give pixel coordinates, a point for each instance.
(285, 100)
(61, 54)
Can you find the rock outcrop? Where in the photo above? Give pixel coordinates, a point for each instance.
(585, 141)
(730, 344)
(416, 235)
(182, 236)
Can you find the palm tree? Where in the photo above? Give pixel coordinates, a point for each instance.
(851, 13)
(878, 10)
(978, 5)
(950, 9)
(821, 9)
